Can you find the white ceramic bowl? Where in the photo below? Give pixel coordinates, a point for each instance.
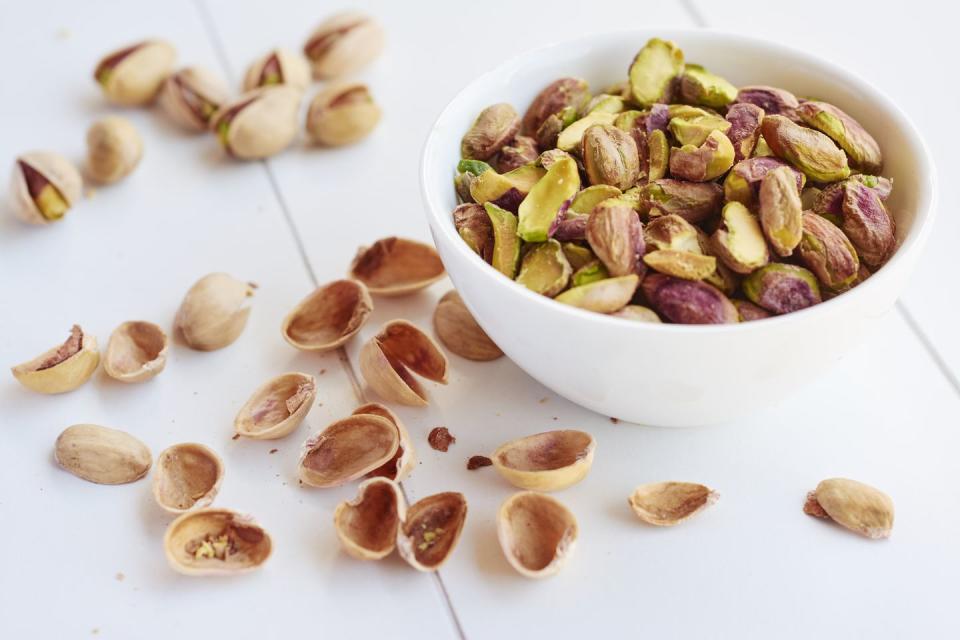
(676, 375)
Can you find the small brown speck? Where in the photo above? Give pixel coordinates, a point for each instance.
(555, 418)
(120, 576)
(477, 462)
(236, 436)
(274, 450)
(440, 438)
(614, 420)
(543, 400)
(322, 371)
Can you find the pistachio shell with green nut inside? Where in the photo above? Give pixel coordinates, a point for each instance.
(687, 301)
(861, 148)
(610, 157)
(708, 161)
(496, 125)
(827, 252)
(695, 129)
(571, 138)
(539, 209)
(558, 95)
(808, 150)
(782, 288)
(602, 296)
(653, 70)
(744, 132)
(699, 86)
(545, 269)
(506, 244)
(278, 66)
(341, 114)
(592, 271)
(658, 155)
(132, 76)
(474, 226)
(692, 201)
(678, 263)
(743, 182)
(868, 224)
(781, 211)
(343, 43)
(43, 187)
(523, 150)
(260, 123)
(191, 97)
(615, 235)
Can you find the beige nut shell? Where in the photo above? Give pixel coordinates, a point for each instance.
(397, 266)
(187, 477)
(265, 124)
(367, 525)
(102, 455)
(342, 114)
(62, 368)
(293, 67)
(854, 505)
(547, 461)
(388, 358)
(329, 317)
(459, 331)
(401, 464)
(135, 80)
(136, 351)
(536, 533)
(253, 543)
(214, 311)
(57, 170)
(348, 41)
(666, 504)
(277, 407)
(185, 91)
(430, 529)
(348, 449)
(114, 149)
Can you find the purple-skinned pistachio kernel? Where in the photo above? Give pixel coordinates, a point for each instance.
(615, 235)
(749, 311)
(861, 148)
(744, 119)
(692, 201)
(565, 92)
(771, 99)
(882, 186)
(826, 251)
(782, 288)
(494, 127)
(708, 161)
(568, 226)
(868, 224)
(474, 226)
(829, 202)
(523, 150)
(742, 184)
(806, 149)
(687, 301)
(658, 118)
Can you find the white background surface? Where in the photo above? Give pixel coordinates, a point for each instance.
(78, 559)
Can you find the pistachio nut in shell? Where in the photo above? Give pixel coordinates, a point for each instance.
(544, 269)
(739, 240)
(191, 96)
(772, 100)
(860, 147)
(744, 119)
(459, 331)
(348, 449)
(277, 407)
(827, 252)
(699, 86)
(637, 313)
(62, 368)
(680, 263)
(496, 125)
(430, 529)
(854, 505)
(541, 206)
(665, 504)
(552, 99)
(215, 541)
(782, 288)
(653, 70)
(102, 455)
(396, 266)
(390, 358)
(868, 224)
(603, 296)
(610, 156)
(808, 150)
(43, 187)
(742, 183)
(260, 123)
(136, 351)
(536, 532)
(214, 312)
(687, 301)
(342, 114)
(329, 317)
(278, 66)
(710, 160)
(114, 149)
(401, 464)
(781, 210)
(547, 461)
(132, 76)
(506, 243)
(692, 201)
(187, 477)
(344, 43)
(522, 150)
(367, 525)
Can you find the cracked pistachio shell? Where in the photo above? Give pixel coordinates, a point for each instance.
(610, 157)
(749, 311)
(367, 525)
(571, 138)
(396, 266)
(187, 477)
(114, 148)
(136, 351)
(692, 201)
(808, 150)
(708, 161)
(214, 312)
(781, 210)
(699, 86)
(544, 269)
(588, 198)
(278, 66)
(260, 123)
(348, 449)
(277, 407)
(688, 265)
(772, 100)
(62, 368)
(554, 98)
(537, 533)
(102, 455)
(782, 288)
(473, 225)
(744, 119)
(861, 148)
(592, 271)
(506, 243)
(695, 128)
(637, 313)
(496, 126)
(343, 43)
(132, 76)
(658, 155)
(827, 252)
(615, 235)
(430, 529)
(868, 224)
(666, 504)
(342, 114)
(43, 187)
(329, 317)
(671, 232)
(739, 241)
(854, 505)
(687, 301)
(540, 207)
(388, 358)
(459, 331)
(743, 182)
(523, 150)
(653, 70)
(506, 190)
(603, 296)
(401, 464)
(548, 461)
(249, 545)
(191, 97)
(577, 255)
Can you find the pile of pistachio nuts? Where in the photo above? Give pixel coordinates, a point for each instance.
(675, 196)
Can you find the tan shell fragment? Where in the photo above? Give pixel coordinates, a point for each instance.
(430, 530)
(277, 407)
(102, 455)
(547, 461)
(343, 43)
(854, 505)
(387, 359)
(459, 331)
(62, 368)
(396, 266)
(328, 317)
(278, 66)
(401, 464)
(187, 477)
(537, 533)
(665, 504)
(367, 525)
(215, 541)
(43, 178)
(348, 449)
(137, 351)
(214, 312)
(191, 97)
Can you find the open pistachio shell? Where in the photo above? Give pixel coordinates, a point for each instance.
(277, 407)
(401, 464)
(604, 296)
(387, 359)
(396, 266)
(668, 503)
(547, 461)
(191, 97)
(536, 532)
(328, 317)
(43, 187)
(367, 525)
(348, 449)
(214, 312)
(62, 368)
(343, 43)
(215, 541)
(260, 123)
(132, 76)
(137, 351)
(187, 476)
(459, 331)
(430, 530)
(854, 505)
(278, 66)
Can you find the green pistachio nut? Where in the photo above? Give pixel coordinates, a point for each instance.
(506, 190)
(602, 296)
(577, 255)
(653, 71)
(744, 132)
(593, 271)
(571, 138)
(615, 235)
(739, 240)
(782, 288)
(868, 224)
(658, 155)
(494, 127)
(506, 244)
(688, 265)
(637, 313)
(547, 133)
(704, 163)
(558, 95)
(695, 130)
(628, 120)
(724, 279)
(687, 301)
(762, 150)
(542, 204)
(743, 182)
(780, 210)
(808, 150)
(474, 226)
(827, 252)
(545, 269)
(605, 103)
(671, 232)
(588, 198)
(610, 157)
(861, 148)
(692, 201)
(699, 86)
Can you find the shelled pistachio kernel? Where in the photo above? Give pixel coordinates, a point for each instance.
(341, 114)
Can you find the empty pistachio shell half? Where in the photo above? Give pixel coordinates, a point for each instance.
(137, 351)
(668, 503)
(343, 43)
(62, 368)
(187, 477)
(260, 123)
(341, 114)
(278, 66)
(328, 317)
(215, 541)
(396, 266)
(214, 311)
(43, 187)
(348, 449)
(114, 149)
(399, 466)
(367, 525)
(191, 97)
(387, 359)
(536, 532)
(430, 530)
(547, 461)
(459, 332)
(102, 455)
(854, 505)
(132, 76)
(277, 407)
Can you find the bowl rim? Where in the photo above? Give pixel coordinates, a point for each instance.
(916, 239)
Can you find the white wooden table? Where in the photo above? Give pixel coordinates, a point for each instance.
(78, 559)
